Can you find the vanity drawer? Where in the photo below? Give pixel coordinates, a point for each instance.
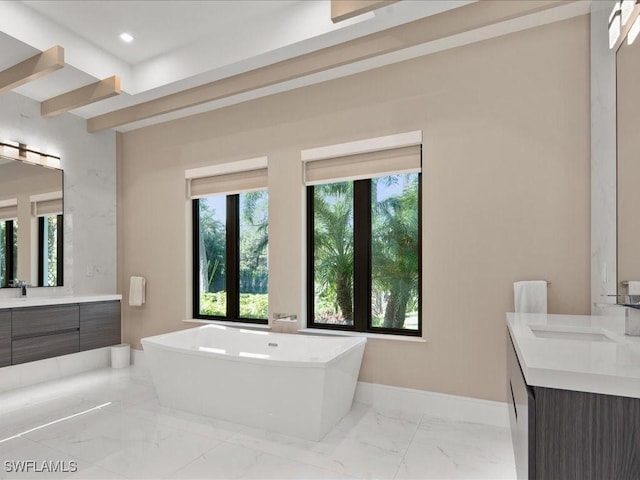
(38, 348)
(5, 338)
(30, 322)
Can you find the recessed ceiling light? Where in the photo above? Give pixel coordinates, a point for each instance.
(126, 37)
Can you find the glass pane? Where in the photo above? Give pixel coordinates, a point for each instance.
(213, 234)
(14, 273)
(3, 253)
(333, 253)
(8, 251)
(254, 299)
(394, 252)
(50, 242)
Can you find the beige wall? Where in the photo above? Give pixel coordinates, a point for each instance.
(505, 180)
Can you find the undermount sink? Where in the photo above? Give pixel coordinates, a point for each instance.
(585, 334)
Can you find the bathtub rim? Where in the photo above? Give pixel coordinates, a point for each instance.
(153, 341)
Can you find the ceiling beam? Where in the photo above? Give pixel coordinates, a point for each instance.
(452, 22)
(343, 9)
(107, 88)
(32, 68)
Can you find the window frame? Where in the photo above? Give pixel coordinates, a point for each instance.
(59, 247)
(362, 263)
(232, 263)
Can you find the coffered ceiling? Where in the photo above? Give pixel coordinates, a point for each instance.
(184, 51)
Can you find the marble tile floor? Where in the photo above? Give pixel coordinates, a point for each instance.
(108, 424)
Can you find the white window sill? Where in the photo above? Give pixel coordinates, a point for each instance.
(256, 326)
(379, 336)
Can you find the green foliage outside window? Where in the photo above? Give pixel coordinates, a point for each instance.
(3, 254)
(7, 250)
(253, 265)
(394, 258)
(51, 250)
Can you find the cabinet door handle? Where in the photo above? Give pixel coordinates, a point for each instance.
(513, 399)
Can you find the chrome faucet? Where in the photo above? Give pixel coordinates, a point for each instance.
(285, 317)
(22, 285)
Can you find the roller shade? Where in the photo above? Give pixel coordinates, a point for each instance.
(366, 165)
(227, 179)
(229, 184)
(376, 157)
(47, 207)
(7, 213)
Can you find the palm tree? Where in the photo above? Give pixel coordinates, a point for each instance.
(395, 251)
(212, 250)
(253, 242)
(333, 240)
(3, 254)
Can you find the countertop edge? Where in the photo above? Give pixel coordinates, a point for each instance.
(565, 379)
(13, 303)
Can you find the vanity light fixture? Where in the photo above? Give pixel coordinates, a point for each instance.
(20, 152)
(126, 37)
(623, 22)
(633, 31)
(615, 24)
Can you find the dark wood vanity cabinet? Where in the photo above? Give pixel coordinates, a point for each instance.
(565, 434)
(36, 321)
(44, 332)
(5, 338)
(45, 346)
(36, 333)
(99, 325)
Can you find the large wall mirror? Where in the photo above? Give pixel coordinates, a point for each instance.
(628, 167)
(31, 223)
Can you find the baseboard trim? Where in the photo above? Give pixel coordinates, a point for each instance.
(432, 403)
(31, 373)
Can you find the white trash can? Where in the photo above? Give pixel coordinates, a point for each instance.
(120, 355)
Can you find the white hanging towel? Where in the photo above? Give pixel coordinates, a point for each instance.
(530, 296)
(137, 287)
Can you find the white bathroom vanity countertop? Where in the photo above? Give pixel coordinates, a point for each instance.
(577, 352)
(19, 302)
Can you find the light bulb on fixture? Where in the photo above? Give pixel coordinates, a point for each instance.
(615, 25)
(626, 9)
(126, 37)
(633, 31)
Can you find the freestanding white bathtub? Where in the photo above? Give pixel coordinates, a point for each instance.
(299, 385)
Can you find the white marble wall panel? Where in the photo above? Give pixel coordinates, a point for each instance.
(603, 159)
(89, 163)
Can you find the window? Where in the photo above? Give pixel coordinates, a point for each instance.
(50, 267)
(364, 255)
(364, 235)
(8, 251)
(230, 257)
